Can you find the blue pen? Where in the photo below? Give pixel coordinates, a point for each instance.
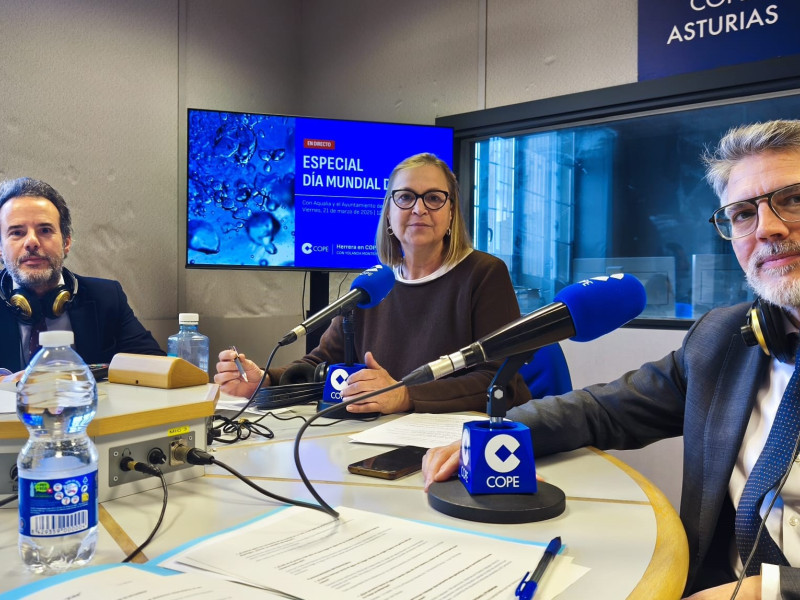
(527, 587)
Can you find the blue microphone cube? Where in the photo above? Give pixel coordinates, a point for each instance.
(497, 459)
(336, 381)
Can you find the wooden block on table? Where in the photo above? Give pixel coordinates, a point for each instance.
(166, 372)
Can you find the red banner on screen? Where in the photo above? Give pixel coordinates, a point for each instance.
(320, 144)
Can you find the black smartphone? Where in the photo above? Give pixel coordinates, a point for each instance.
(392, 464)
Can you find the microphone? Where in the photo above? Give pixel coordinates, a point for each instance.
(366, 291)
(582, 312)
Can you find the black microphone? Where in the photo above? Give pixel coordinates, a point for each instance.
(366, 291)
(582, 312)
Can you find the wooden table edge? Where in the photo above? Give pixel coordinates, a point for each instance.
(665, 576)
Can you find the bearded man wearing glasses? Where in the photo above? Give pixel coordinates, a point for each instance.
(736, 406)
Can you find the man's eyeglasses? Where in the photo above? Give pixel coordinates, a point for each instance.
(432, 199)
(739, 219)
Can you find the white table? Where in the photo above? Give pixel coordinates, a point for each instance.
(616, 522)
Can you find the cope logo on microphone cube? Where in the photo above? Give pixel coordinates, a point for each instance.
(497, 459)
(336, 381)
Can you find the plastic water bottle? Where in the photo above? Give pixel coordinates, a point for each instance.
(57, 467)
(189, 344)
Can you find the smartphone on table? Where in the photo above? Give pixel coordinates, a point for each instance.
(392, 464)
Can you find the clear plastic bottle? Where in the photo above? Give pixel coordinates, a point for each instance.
(56, 400)
(189, 344)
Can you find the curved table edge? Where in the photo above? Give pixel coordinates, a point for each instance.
(671, 552)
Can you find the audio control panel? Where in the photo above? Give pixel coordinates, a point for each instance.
(155, 452)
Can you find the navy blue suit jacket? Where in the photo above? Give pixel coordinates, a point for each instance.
(704, 391)
(102, 321)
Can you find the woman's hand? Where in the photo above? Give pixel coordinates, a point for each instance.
(375, 377)
(228, 377)
(439, 464)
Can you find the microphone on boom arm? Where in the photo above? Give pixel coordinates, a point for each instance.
(366, 291)
(581, 312)
(497, 474)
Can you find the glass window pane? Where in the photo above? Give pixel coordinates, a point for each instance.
(623, 195)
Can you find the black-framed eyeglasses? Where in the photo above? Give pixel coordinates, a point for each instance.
(739, 219)
(432, 199)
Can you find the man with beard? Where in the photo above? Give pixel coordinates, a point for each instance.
(722, 395)
(38, 293)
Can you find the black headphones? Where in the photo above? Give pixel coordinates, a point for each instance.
(301, 383)
(764, 327)
(28, 308)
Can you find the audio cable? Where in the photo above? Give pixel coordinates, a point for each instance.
(8, 500)
(241, 428)
(129, 464)
(324, 506)
(195, 456)
(761, 527)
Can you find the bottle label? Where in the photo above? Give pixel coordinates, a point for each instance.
(56, 507)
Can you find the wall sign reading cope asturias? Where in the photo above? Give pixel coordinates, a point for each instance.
(683, 36)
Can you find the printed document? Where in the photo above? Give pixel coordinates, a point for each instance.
(424, 430)
(310, 555)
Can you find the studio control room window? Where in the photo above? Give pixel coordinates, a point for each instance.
(620, 195)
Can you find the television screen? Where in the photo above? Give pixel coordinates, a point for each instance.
(274, 191)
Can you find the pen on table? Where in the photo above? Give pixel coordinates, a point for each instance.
(238, 363)
(527, 587)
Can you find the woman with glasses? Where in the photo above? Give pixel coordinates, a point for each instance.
(446, 296)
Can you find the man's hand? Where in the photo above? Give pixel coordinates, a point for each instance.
(750, 590)
(7, 376)
(439, 464)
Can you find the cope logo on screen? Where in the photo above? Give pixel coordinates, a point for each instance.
(310, 248)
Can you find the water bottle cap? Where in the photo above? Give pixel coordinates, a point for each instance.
(50, 339)
(188, 318)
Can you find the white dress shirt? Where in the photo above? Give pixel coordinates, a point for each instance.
(783, 522)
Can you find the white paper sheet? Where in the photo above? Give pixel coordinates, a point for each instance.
(367, 555)
(123, 582)
(233, 403)
(417, 429)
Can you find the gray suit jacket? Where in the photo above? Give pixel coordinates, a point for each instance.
(704, 391)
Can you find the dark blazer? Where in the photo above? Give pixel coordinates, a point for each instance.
(102, 322)
(704, 391)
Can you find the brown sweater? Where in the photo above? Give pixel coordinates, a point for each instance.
(416, 324)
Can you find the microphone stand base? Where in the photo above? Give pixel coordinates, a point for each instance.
(452, 498)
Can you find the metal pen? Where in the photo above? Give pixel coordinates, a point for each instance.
(237, 361)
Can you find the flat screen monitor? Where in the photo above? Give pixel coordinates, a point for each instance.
(657, 274)
(282, 192)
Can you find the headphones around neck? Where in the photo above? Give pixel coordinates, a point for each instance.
(29, 308)
(765, 327)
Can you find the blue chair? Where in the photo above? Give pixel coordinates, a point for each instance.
(547, 373)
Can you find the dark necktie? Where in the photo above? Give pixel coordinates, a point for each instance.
(775, 459)
(33, 344)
